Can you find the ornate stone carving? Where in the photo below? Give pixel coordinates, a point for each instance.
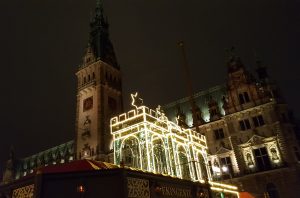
(138, 188)
(24, 192)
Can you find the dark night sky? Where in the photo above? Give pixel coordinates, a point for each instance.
(42, 42)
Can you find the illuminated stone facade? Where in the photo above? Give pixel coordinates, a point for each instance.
(250, 136)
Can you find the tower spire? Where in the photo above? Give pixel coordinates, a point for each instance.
(99, 8)
(99, 3)
(99, 37)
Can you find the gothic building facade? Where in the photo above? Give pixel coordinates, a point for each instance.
(251, 137)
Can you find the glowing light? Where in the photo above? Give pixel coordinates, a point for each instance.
(134, 98)
(224, 168)
(216, 169)
(225, 190)
(145, 139)
(222, 185)
(80, 189)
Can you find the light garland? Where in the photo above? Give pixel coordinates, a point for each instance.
(145, 139)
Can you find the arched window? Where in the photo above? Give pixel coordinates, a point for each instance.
(159, 156)
(272, 191)
(202, 166)
(130, 154)
(184, 163)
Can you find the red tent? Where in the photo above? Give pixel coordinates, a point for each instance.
(246, 195)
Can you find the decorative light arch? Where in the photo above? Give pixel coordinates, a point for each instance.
(164, 147)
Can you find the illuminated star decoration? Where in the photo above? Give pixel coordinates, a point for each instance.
(136, 101)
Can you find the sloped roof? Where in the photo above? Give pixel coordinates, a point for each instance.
(201, 99)
(77, 166)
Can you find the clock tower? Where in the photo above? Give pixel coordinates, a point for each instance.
(99, 92)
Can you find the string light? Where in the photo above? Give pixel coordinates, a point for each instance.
(145, 139)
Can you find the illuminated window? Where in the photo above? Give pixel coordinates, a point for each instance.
(262, 159)
(245, 125)
(219, 133)
(244, 98)
(226, 165)
(258, 121)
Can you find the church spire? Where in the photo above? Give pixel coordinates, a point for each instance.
(99, 9)
(99, 37)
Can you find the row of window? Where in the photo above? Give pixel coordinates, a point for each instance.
(257, 121)
(224, 165)
(244, 125)
(88, 78)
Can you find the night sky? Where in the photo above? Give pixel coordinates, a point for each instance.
(42, 43)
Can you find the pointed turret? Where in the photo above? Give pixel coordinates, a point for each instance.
(234, 62)
(181, 118)
(9, 172)
(213, 109)
(261, 71)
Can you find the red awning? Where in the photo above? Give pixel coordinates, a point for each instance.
(246, 195)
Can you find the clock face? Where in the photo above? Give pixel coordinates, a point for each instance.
(88, 104)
